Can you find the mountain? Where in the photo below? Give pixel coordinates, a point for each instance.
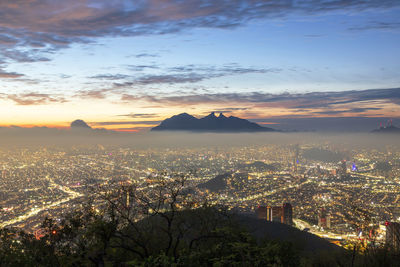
(217, 183)
(258, 166)
(80, 124)
(81, 127)
(210, 123)
(387, 129)
(235, 181)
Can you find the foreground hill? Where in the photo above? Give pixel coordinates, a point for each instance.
(205, 223)
(262, 229)
(210, 123)
(207, 236)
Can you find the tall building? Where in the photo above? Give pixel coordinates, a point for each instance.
(261, 212)
(287, 214)
(127, 197)
(343, 167)
(296, 158)
(270, 214)
(324, 219)
(277, 214)
(282, 214)
(393, 235)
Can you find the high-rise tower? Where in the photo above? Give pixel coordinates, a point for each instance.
(324, 219)
(287, 214)
(282, 214)
(393, 235)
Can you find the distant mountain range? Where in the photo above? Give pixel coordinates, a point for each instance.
(210, 123)
(388, 129)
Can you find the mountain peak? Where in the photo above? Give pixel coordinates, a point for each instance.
(79, 124)
(183, 115)
(211, 115)
(209, 123)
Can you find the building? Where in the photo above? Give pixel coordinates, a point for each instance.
(287, 214)
(261, 212)
(296, 159)
(282, 214)
(343, 167)
(393, 235)
(276, 214)
(269, 214)
(324, 219)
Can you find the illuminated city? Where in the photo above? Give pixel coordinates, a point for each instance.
(348, 183)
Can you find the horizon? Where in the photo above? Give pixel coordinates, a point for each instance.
(307, 124)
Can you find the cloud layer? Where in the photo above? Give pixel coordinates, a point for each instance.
(183, 74)
(33, 98)
(29, 30)
(288, 100)
(373, 103)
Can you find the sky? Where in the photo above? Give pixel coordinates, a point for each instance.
(127, 65)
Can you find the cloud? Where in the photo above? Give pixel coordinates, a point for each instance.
(377, 25)
(131, 98)
(284, 100)
(109, 76)
(94, 94)
(360, 110)
(139, 115)
(172, 78)
(192, 74)
(33, 98)
(7, 40)
(44, 26)
(8, 75)
(230, 110)
(108, 123)
(91, 18)
(352, 110)
(23, 56)
(142, 67)
(142, 55)
(228, 69)
(178, 75)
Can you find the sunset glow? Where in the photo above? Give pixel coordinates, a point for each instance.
(127, 65)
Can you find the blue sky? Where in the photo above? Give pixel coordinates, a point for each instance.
(98, 60)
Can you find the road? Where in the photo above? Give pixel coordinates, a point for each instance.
(302, 225)
(34, 211)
